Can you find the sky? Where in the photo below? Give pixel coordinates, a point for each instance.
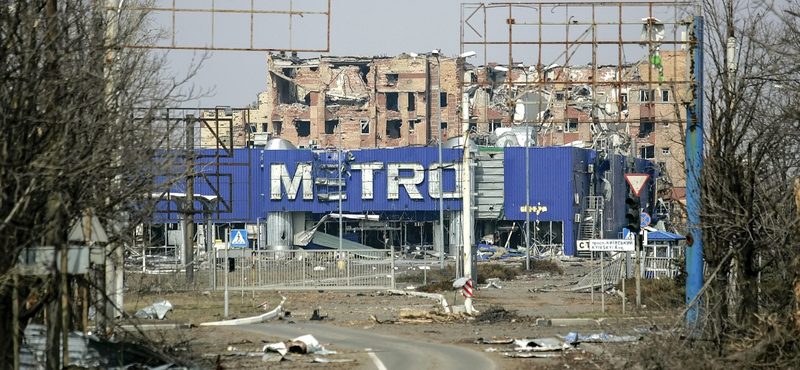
(357, 27)
(363, 27)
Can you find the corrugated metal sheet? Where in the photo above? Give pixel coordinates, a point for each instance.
(558, 177)
(489, 184)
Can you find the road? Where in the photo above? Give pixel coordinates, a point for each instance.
(385, 352)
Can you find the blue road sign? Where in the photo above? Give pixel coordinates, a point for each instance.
(239, 238)
(645, 219)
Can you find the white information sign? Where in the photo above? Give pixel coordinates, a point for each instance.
(612, 245)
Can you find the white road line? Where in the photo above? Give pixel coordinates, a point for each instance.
(375, 359)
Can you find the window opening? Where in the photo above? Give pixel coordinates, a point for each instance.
(412, 103)
(391, 101)
(393, 128)
(330, 126)
(303, 128)
(391, 79)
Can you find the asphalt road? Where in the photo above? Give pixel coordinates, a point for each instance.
(384, 352)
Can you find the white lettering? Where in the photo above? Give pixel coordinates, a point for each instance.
(367, 177)
(433, 180)
(410, 183)
(279, 179)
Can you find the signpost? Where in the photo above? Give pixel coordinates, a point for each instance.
(636, 181)
(609, 245)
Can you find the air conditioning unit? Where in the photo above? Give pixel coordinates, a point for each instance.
(312, 142)
(559, 128)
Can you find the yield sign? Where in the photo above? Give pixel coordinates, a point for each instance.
(636, 181)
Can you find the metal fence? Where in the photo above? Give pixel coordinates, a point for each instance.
(660, 267)
(306, 269)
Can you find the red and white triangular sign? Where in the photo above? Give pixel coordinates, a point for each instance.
(636, 181)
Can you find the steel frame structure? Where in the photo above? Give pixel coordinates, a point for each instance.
(174, 11)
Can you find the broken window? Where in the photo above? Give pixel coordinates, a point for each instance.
(412, 104)
(303, 128)
(443, 99)
(646, 126)
(494, 124)
(264, 127)
(443, 125)
(391, 79)
(331, 125)
(645, 95)
(391, 101)
(412, 123)
(664, 95)
(362, 71)
(623, 101)
(393, 128)
(276, 127)
(473, 127)
(559, 95)
(572, 125)
(365, 125)
(647, 152)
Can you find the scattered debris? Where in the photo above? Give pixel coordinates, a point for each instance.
(493, 283)
(496, 314)
(265, 304)
(250, 320)
(531, 355)
(494, 341)
(302, 345)
(575, 338)
(158, 310)
(316, 316)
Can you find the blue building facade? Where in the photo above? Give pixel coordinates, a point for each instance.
(402, 185)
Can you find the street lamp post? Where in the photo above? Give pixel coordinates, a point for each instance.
(436, 53)
(439, 171)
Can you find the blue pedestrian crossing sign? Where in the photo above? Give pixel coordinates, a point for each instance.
(239, 238)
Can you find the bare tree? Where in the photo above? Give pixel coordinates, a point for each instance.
(80, 135)
(749, 217)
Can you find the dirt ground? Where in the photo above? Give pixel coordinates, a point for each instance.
(510, 311)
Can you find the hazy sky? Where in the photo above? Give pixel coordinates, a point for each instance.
(357, 27)
(373, 27)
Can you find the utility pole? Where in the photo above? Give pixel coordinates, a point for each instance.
(188, 237)
(694, 164)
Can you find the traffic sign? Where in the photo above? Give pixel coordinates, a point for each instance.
(646, 219)
(239, 238)
(636, 181)
(611, 245)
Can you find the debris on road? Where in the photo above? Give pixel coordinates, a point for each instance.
(599, 338)
(494, 341)
(158, 310)
(493, 283)
(496, 314)
(423, 317)
(302, 345)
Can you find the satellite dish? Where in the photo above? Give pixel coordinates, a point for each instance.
(460, 282)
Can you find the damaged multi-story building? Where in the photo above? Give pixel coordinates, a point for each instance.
(386, 102)
(376, 102)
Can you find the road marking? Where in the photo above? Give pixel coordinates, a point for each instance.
(375, 359)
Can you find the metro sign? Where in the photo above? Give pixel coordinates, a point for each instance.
(636, 181)
(408, 175)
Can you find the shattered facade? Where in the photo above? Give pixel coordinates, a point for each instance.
(386, 102)
(633, 109)
(380, 102)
